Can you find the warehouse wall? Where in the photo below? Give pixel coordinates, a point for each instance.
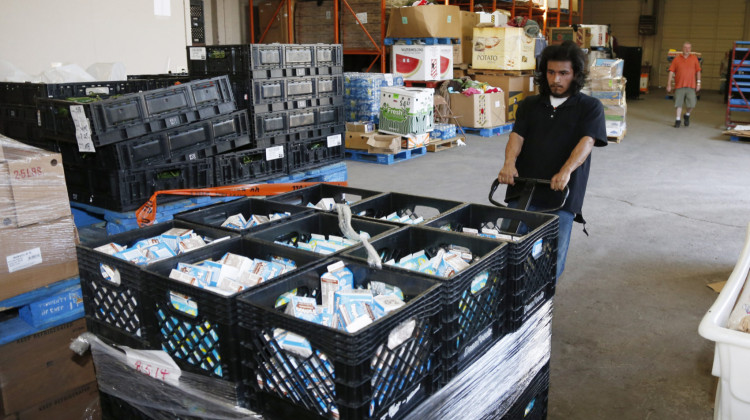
(36, 33)
(710, 26)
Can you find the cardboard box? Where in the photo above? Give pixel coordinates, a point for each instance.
(357, 140)
(278, 31)
(406, 110)
(503, 49)
(469, 20)
(615, 128)
(496, 19)
(514, 90)
(458, 54)
(582, 37)
(78, 403)
(616, 98)
(564, 5)
(422, 62)
(41, 366)
(608, 84)
(459, 73)
(32, 185)
(615, 112)
(607, 68)
(382, 143)
(478, 111)
(352, 35)
(37, 255)
(432, 21)
(360, 126)
(313, 22)
(412, 141)
(599, 35)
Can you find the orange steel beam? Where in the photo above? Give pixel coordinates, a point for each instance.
(289, 27)
(252, 25)
(336, 21)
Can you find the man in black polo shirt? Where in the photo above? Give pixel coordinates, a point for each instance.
(552, 138)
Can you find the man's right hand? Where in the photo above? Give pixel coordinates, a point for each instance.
(669, 88)
(507, 174)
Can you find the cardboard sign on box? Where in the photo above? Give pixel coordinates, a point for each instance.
(431, 21)
(32, 185)
(36, 255)
(41, 366)
(422, 62)
(503, 49)
(478, 111)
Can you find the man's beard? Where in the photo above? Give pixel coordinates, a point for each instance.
(559, 95)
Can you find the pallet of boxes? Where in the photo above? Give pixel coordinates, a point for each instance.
(40, 296)
(606, 83)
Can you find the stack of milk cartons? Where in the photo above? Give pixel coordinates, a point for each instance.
(407, 112)
(605, 82)
(362, 94)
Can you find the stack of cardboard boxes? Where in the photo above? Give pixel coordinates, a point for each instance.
(607, 84)
(39, 376)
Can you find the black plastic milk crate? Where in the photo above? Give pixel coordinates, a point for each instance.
(314, 193)
(22, 130)
(297, 104)
(128, 189)
(202, 338)
(311, 153)
(28, 93)
(115, 292)
(250, 165)
(329, 55)
(238, 59)
(300, 227)
(532, 404)
(365, 374)
(404, 204)
(296, 72)
(284, 89)
(532, 257)
(137, 114)
(473, 314)
(218, 213)
(197, 140)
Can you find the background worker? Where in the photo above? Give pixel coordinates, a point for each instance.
(686, 71)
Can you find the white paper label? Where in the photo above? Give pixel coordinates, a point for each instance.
(162, 8)
(362, 17)
(334, 140)
(24, 259)
(276, 152)
(531, 84)
(536, 250)
(197, 53)
(83, 130)
(388, 79)
(154, 363)
(328, 14)
(497, 104)
(39, 117)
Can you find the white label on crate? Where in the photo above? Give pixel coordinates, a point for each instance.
(83, 129)
(497, 104)
(276, 152)
(197, 53)
(99, 90)
(536, 250)
(328, 14)
(154, 363)
(39, 117)
(24, 259)
(334, 140)
(362, 17)
(302, 104)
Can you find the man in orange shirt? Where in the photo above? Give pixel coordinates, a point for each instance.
(686, 70)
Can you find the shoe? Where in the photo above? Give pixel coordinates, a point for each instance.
(676, 123)
(687, 120)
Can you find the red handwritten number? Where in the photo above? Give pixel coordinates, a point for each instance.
(28, 173)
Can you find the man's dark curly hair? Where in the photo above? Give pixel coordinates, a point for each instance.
(567, 51)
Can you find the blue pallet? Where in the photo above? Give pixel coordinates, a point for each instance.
(738, 138)
(41, 309)
(117, 222)
(491, 131)
(385, 159)
(335, 172)
(426, 41)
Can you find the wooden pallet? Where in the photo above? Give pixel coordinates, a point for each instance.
(440, 145)
(433, 84)
(490, 131)
(618, 138)
(489, 72)
(383, 158)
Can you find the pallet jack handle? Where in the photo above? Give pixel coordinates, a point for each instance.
(529, 186)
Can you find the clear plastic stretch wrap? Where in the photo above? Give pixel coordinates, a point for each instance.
(362, 94)
(189, 396)
(37, 234)
(490, 386)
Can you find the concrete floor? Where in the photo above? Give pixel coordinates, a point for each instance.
(667, 210)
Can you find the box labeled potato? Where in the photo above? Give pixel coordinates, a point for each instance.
(478, 111)
(502, 49)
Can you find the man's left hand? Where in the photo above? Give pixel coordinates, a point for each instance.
(559, 181)
(698, 88)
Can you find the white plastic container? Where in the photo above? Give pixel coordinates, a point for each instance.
(732, 354)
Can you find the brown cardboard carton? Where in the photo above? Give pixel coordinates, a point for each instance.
(468, 21)
(36, 255)
(458, 54)
(41, 366)
(278, 31)
(384, 143)
(425, 22)
(357, 140)
(352, 34)
(503, 49)
(313, 22)
(513, 90)
(78, 403)
(478, 111)
(32, 185)
(360, 126)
